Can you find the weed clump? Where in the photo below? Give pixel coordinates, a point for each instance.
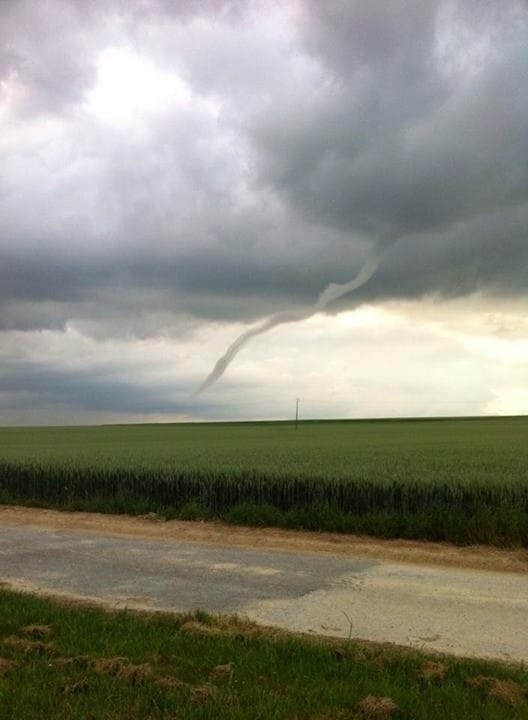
(508, 692)
(203, 693)
(376, 708)
(35, 647)
(37, 631)
(431, 670)
(221, 671)
(6, 666)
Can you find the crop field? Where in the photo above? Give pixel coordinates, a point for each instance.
(463, 480)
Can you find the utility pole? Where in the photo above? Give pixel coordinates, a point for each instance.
(297, 401)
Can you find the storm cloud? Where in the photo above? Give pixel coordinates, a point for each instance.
(167, 167)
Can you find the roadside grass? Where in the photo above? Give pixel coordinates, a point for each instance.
(78, 662)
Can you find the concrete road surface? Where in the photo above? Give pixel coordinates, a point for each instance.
(465, 612)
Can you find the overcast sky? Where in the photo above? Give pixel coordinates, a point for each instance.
(173, 172)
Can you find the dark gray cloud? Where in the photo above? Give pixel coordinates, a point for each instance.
(396, 141)
(169, 164)
(31, 384)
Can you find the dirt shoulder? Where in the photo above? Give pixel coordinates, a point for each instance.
(215, 533)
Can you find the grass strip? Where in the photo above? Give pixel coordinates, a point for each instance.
(67, 662)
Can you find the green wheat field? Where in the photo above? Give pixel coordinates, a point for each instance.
(461, 480)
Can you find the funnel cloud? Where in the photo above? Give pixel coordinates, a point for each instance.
(332, 292)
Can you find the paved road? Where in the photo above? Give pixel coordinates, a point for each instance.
(465, 612)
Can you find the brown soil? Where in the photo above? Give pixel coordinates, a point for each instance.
(6, 666)
(221, 671)
(109, 666)
(215, 533)
(433, 670)
(193, 626)
(169, 682)
(373, 708)
(506, 691)
(135, 674)
(37, 631)
(29, 646)
(203, 693)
